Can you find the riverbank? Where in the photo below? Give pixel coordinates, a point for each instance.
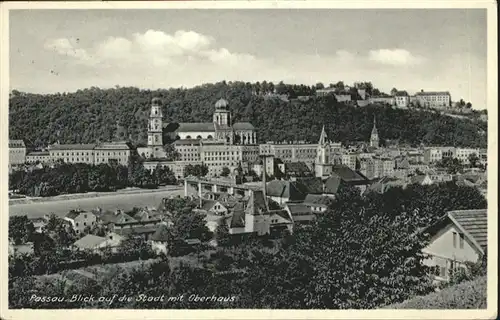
(123, 201)
(29, 200)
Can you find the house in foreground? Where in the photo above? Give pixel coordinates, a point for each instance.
(81, 220)
(95, 243)
(457, 238)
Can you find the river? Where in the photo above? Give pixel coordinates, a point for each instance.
(121, 201)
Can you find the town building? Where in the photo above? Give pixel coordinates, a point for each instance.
(17, 152)
(38, 157)
(118, 152)
(73, 153)
(325, 92)
(436, 99)
(300, 213)
(367, 167)
(343, 97)
(97, 244)
(81, 220)
(463, 154)
(384, 167)
(350, 160)
(458, 237)
(402, 99)
(388, 100)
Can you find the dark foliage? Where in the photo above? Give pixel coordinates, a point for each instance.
(92, 114)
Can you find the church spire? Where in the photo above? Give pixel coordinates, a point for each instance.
(374, 130)
(323, 138)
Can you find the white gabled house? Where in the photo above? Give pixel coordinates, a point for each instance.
(458, 237)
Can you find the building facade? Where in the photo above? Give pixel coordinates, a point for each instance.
(441, 99)
(112, 151)
(38, 156)
(459, 237)
(402, 99)
(17, 152)
(220, 129)
(73, 153)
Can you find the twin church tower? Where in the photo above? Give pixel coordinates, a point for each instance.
(323, 164)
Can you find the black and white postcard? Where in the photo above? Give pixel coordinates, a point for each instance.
(249, 160)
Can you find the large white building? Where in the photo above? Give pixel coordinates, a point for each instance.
(101, 153)
(436, 99)
(221, 128)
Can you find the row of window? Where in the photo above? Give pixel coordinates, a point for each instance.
(114, 153)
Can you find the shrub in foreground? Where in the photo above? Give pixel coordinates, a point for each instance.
(466, 295)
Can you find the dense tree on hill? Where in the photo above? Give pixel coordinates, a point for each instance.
(21, 229)
(90, 115)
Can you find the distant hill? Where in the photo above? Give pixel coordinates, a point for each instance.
(96, 114)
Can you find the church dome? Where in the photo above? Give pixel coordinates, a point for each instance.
(222, 104)
(156, 101)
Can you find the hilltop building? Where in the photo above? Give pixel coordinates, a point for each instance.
(438, 99)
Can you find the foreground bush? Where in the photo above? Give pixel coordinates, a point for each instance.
(466, 295)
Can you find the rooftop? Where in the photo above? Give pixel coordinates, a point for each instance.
(474, 222)
(432, 93)
(72, 147)
(16, 144)
(89, 241)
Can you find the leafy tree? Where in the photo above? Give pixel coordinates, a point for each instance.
(452, 165)
(171, 153)
(21, 229)
(196, 170)
(222, 235)
(225, 172)
(473, 160)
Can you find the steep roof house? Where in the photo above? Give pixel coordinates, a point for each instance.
(460, 236)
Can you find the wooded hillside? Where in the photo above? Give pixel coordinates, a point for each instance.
(96, 114)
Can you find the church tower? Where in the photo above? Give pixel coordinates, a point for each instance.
(155, 129)
(222, 115)
(322, 166)
(374, 136)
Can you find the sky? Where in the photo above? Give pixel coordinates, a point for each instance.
(409, 49)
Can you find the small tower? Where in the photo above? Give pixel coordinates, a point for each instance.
(374, 136)
(222, 115)
(155, 129)
(322, 166)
